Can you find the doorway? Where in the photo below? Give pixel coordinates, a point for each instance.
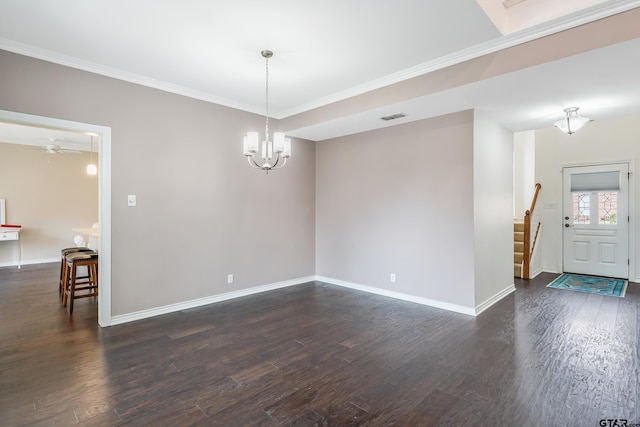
(596, 220)
(104, 194)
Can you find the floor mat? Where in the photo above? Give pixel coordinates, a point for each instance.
(590, 284)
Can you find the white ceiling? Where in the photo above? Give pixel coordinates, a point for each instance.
(330, 50)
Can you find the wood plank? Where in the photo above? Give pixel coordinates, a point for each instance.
(317, 354)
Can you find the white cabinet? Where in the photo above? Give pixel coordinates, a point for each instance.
(8, 234)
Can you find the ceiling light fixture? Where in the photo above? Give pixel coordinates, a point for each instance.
(91, 168)
(281, 145)
(573, 122)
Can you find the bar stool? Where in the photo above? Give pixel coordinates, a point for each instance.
(63, 253)
(73, 283)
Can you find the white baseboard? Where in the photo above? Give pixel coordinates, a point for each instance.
(494, 299)
(535, 273)
(171, 308)
(397, 295)
(29, 262)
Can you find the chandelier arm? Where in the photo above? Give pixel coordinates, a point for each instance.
(284, 162)
(253, 163)
(276, 162)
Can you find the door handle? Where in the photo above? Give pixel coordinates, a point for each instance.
(567, 225)
(566, 218)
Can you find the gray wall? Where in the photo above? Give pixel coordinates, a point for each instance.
(202, 212)
(400, 200)
(356, 209)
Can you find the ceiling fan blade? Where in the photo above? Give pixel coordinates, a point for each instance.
(56, 149)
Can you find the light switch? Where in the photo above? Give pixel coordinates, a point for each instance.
(131, 200)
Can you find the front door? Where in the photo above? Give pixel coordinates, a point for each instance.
(596, 220)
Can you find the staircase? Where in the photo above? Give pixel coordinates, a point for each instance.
(518, 248)
(525, 236)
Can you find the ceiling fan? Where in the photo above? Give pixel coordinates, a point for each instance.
(56, 149)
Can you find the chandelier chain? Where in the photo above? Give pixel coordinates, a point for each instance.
(267, 97)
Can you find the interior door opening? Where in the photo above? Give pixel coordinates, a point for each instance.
(104, 194)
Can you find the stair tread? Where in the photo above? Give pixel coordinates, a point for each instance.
(517, 270)
(518, 247)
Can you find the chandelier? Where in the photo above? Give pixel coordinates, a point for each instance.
(274, 152)
(573, 122)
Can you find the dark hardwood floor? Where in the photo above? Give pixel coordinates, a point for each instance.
(320, 355)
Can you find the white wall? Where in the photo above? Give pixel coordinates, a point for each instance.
(524, 171)
(601, 141)
(493, 209)
(524, 147)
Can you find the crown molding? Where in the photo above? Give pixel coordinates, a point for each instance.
(594, 13)
(92, 67)
(585, 16)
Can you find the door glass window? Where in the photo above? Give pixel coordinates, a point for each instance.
(581, 208)
(608, 208)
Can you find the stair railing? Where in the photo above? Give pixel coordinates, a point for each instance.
(528, 245)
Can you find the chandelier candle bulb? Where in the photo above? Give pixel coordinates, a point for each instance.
(286, 153)
(251, 143)
(278, 142)
(267, 150)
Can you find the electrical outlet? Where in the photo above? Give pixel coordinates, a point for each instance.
(392, 278)
(230, 278)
